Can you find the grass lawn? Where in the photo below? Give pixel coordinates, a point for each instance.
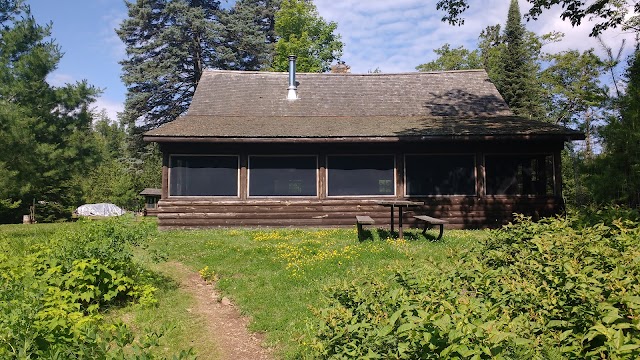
(276, 276)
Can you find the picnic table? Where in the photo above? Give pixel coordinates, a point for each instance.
(400, 204)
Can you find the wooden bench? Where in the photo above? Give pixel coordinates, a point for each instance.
(363, 220)
(428, 220)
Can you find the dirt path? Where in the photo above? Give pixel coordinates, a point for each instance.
(222, 320)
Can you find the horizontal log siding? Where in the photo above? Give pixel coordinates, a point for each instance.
(460, 212)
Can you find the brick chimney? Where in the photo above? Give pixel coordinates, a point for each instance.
(340, 68)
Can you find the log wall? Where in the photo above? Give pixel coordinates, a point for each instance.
(461, 212)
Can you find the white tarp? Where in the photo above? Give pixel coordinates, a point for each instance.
(103, 209)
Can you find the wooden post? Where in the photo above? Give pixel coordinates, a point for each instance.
(480, 175)
(165, 175)
(244, 176)
(392, 208)
(399, 222)
(557, 174)
(399, 174)
(322, 175)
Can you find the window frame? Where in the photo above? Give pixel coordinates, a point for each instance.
(317, 177)
(237, 196)
(475, 174)
(395, 177)
(532, 154)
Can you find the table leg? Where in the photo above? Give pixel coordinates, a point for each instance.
(392, 227)
(400, 222)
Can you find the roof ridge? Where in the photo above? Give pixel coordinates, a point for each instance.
(412, 73)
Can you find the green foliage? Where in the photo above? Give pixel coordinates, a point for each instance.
(169, 44)
(45, 131)
(53, 294)
(120, 175)
(517, 69)
(575, 93)
(303, 32)
(453, 59)
(616, 173)
(248, 35)
(559, 288)
(112, 182)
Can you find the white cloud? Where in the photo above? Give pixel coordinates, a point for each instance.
(115, 46)
(111, 107)
(396, 36)
(59, 79)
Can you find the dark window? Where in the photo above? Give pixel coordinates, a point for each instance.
(519, 175)
(282, 176)
(203, 176)
(440, 174)
(360, 175)
(151, 202)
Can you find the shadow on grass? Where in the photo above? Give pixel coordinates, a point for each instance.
(158, 280)
(407, 235)
(383, 234)
(365, 235)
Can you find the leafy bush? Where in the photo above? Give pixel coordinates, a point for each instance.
(559, 288)
(52, 299)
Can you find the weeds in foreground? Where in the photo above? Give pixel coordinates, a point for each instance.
(56, 288)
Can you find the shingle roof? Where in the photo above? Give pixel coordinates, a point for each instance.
(234, 104)
(151, 192)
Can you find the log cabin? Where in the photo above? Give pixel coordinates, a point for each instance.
(315, 150)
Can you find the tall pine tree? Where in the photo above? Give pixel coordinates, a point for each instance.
(516, 73)
(248, 35)
(169, 44)
(45, 131)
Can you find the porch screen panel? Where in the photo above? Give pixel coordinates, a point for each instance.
(360, 175)
(440, 175)
(519, 174)
(203, 176)
(282, 176)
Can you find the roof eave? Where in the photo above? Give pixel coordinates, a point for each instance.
(361, 139)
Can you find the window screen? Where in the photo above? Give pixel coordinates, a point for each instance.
(282, 176)
(203, 176)
(440, 174)
(360, 175)
(519, 175)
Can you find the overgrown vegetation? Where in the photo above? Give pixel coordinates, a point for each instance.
(564, 288)
(56, 287)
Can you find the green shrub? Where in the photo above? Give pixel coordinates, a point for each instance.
(52, 299)
(559, 288)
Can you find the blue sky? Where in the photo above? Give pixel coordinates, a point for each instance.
(393, 36)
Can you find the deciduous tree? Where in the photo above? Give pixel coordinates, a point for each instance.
(576, 94)
(453, 59)
(301, 31)
(616, 173)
